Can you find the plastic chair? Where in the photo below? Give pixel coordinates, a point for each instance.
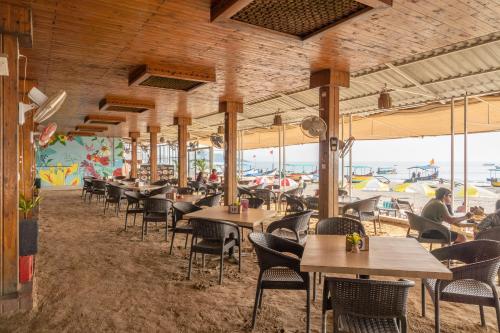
(365, 209)
(155, 210)
(424, 226)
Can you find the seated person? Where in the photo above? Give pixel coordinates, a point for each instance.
(491, 220)
(214, 178)
(436, 210)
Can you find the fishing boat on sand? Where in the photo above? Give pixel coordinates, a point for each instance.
(422, 173)
(386, 171)
(494, 179)
(359, 173)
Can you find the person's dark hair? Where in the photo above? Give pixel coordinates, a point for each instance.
(497, 205)
(200, 176)
(214, 170)
(442, 192)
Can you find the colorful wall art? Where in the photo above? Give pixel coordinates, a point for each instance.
(66, 159)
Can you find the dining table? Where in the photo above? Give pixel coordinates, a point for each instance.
(246, 219)
(387, 256)
(191, 198)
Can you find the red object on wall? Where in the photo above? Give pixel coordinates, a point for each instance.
(25, 268)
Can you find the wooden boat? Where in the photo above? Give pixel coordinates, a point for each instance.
(359, 173)
(422, 173)
(494, 180)
(386, 171)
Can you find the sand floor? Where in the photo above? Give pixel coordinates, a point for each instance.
(91, 276)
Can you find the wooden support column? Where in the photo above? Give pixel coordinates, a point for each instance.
(28, 154)
(15, 29)
(153, 148)
(329, 82)
(182, 123)
(133, 167)
(230, 110)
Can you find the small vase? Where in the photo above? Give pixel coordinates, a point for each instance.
(355, 248)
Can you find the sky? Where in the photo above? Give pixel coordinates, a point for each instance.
(482, 147)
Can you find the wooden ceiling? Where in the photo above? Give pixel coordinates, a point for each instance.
(89, 48)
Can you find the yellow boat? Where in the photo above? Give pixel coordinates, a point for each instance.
(494, 180)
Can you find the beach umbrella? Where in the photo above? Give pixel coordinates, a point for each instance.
(288, 182)
(373, 185)
(261, 181)
(415, 188)
(474, 192)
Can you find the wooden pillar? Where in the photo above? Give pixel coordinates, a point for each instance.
(15, 29)
(133, 167)
(230, 110)
(153, 155)
(182, 123)
(27, 151)
(329, 82)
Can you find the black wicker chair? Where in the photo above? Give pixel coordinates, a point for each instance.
(87, 187)
(178, 211)
(278, 270)
(244, 193)
(161, 182)
(364, 210)
(114, 195)
(155, 210)
(185, 190)
(119, 177)
(209, 201)
(472, 283)
(214, 237)
(425, 228)
(293, 227)
(294, 204)
(134, 206)
(338, 225)
(492, 234)
(267, 195)
(255, 202)
(98, 189)
(361, 305)
(161, 190)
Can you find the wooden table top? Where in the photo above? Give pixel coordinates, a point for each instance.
(192, 198)
(253, 217)
(388, 256)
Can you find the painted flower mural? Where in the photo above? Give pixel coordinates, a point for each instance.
(65, 160)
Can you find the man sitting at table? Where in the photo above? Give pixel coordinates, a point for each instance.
(436, 210)
(491, 220)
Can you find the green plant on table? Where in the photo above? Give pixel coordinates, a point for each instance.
(27, 205)
(354, 239)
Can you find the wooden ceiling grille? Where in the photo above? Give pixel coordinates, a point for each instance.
(104, 120)
(75, 133)
(118, 104)
(171, 77)
(299, 18)
(91, 128)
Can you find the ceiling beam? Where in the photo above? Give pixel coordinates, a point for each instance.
(376, 3)
(408, 77)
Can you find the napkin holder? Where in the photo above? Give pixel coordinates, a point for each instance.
(234, 209)
(171, 196)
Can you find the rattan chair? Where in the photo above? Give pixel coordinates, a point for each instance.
(209, 201)
(185, 190)
(293, 204)
(114, 195)
(178, 211)
(364, 210)
(361, 305)
(98, 189)
(216, 238)
(472, 283)
(155, 210)
(404, 206)
(491, 234)
(162, 190)
(338, 225)
(87, 187)
(134, 206)
(293, 227)
(244, 193)
(423, 227)
(161, 182)
(119, 177)
(255, 202)
(267, 195)
(278, 270)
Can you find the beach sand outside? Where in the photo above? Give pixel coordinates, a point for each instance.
(91, 276)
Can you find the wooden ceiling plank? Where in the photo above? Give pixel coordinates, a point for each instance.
(225, 9)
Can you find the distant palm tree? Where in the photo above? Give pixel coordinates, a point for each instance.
(200, 165)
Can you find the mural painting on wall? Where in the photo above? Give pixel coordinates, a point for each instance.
(66, 159)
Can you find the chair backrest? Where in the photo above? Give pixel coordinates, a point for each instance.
(339, 225)
(264, 193)
(295, 192)
(492, 234)
(114, 192)
(363, 206)
(213, 230)
(120, 177)
(244, 192)
(312, 202)
(255, 202)
(160, 182)
(133, 197)
(300, 220)
(185, 190)
(153, 205)
(161, 190)
(417, 222)
(87, 182)
(98, 184)
(475, 251)
(270, 248)
(404, 205)
(369, 298)
(180, 208)
(294, 204)
(210, 201)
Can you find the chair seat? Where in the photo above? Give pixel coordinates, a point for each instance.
(135, 210)
(463, 291)
(287, 234)
(155, 217)
(282, 278)
(213, 246)
(182, 226)
(356, 324)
